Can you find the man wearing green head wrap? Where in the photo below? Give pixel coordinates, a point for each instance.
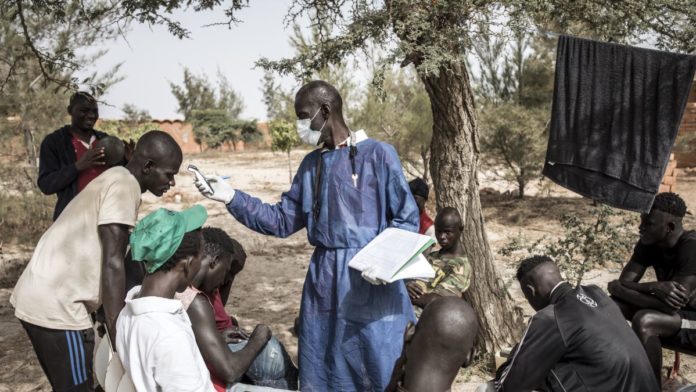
(154, 338)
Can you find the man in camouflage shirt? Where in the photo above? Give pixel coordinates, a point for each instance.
(452, 268)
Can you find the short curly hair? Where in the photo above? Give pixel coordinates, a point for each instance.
(217, 241)
(670, 203)
(528, 264)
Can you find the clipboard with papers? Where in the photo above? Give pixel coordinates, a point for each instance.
(395, 254)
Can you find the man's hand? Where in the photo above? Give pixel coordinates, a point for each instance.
(92, 157)
(414, 290)
(234, 335)
(261, 335)
(130, 148)
(671, 293)
(222, 191)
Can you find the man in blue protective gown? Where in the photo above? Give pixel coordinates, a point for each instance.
(344, 193)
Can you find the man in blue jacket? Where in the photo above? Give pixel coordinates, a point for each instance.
(344, 193)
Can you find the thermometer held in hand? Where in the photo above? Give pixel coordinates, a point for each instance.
(200, 178)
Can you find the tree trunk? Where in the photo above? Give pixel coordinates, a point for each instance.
(425, 158)
(520, 189)
(453, 166)
(289, 168)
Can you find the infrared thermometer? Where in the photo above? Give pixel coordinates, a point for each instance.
(200, 178)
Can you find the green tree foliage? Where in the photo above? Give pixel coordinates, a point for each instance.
(126, 129)
(213, 110)
(198, 93)
(398, 111)
(134, 116)
(285, 138)
(214, 128)
(608, 236)
(280, 105)
(515, 87)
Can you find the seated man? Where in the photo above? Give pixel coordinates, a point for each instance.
(577, 341)
(436, 347)
(662, 312)
(267, 365)
(452, 268)
(420, 192)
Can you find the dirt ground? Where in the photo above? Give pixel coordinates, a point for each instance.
(268, 290)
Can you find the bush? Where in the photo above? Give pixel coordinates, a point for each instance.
(25, 217)
(607, 237)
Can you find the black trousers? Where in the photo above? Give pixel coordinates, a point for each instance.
(65, 356)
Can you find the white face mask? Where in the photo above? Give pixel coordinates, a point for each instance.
(305, 131)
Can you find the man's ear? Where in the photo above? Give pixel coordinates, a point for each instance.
(531, 289)
(671, 226)
(214, 261)
(149, 165)
(325, 109)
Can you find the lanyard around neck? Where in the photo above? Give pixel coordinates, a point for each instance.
(316, 194)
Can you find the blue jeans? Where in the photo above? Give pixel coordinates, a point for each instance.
(271, 368)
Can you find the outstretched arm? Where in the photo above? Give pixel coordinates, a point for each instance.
(281, 220)
(226, 365)
(114, 240)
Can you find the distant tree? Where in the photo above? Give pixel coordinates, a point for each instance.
(135, 116)
(198, 93)
(279, 103)
(213, 127)
(514, 87)
(399, 112)
(285, 138)
(126, 130)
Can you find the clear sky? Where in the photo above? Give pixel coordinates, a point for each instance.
(155, 57)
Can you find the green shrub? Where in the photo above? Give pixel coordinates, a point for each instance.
(608, 236)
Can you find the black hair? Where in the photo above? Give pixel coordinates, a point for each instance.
(217, 241)
(81, 96)
(419, 188)
(670, 203)
(239, 253)
(190, 246)
(320, 92)
(449, 211)
(528, 264)
(114, 150)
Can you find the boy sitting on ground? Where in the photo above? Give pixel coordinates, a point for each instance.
(452, 268)
(268, 365)
(436, 347)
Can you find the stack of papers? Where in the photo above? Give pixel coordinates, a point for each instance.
(395, 254)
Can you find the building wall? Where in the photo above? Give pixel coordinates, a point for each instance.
(182, 132)
(686, 157)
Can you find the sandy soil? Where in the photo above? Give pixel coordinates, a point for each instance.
(268, 290)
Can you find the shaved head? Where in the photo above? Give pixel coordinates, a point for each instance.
(448, 215)
(114, 150)
(156, 160)
(319, 92)
(156, 145)
(443, 341)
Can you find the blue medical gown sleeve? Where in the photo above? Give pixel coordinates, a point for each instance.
(281, 219)
(402, 210)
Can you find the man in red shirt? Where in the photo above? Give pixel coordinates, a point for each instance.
(67, 161)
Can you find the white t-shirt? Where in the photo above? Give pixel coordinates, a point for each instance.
(156, 345)
(61, 284)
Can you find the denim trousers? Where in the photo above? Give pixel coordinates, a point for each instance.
(271, 368)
